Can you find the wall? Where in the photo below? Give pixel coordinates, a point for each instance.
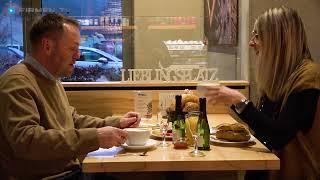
(308, 10)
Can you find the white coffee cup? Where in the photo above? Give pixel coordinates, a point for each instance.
(137, 136)
(202, 87)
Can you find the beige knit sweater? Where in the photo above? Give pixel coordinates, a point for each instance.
(40, 133)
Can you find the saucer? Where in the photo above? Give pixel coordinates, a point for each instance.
(149, 144)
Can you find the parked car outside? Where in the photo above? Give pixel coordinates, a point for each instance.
(96, 65)
(94, 57)
(18, 52)
(16, 46)
(93, 64)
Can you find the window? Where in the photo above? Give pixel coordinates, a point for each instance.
(159, 34)
(11, 36)
(101, 37)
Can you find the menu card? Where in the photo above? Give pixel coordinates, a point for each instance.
(143, 103)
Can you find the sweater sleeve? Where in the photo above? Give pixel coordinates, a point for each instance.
(86, 121)
(20, 126)
(297, 114)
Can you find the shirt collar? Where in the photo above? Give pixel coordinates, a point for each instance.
(38, 67)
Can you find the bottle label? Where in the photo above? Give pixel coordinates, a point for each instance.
(200, 141)
(177, 134)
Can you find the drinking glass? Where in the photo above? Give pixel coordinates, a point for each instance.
(202, 87)
(193, 126)
(163, 122)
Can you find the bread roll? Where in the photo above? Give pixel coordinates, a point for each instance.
(190, 106)
(189, 102)
(232, 132)
(189, 98)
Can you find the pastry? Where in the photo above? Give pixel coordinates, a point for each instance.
(232, 132)
(189, 102)
(189, 98)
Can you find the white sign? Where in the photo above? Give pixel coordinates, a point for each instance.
(170, 74)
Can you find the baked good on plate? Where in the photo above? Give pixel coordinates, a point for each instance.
(236, 132)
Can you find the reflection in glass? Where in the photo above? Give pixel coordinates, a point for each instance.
(11, 36)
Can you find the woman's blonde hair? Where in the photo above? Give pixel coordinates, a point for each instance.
(283, 48)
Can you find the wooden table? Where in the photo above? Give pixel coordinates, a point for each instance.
(219, 158)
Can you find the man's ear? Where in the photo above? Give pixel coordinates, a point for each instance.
(47, 45)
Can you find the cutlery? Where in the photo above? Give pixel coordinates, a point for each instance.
(132, 154)
(144, 153)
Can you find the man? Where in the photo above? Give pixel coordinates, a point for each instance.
(41, 135)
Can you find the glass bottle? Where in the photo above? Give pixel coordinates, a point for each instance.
(178, 126)
(203, 125)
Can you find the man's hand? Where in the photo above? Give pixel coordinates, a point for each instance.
(111, 136)
(131, 119)
(223, 94)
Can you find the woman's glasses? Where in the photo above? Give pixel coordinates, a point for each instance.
(254, 36)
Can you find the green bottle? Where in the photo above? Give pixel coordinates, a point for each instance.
(203, 127)
(178, 126)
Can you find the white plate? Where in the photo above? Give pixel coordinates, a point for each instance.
(156, 133)
(147, 125)
(213, 130)
(221, 141)
(149, 144)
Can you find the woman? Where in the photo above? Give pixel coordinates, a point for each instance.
(287, 116)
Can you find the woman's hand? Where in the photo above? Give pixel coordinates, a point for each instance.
(223, 94)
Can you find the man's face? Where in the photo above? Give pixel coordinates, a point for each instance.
(66, 51)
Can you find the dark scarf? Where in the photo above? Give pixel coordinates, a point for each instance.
(307, 76)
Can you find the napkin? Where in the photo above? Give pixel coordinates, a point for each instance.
(101, 152)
